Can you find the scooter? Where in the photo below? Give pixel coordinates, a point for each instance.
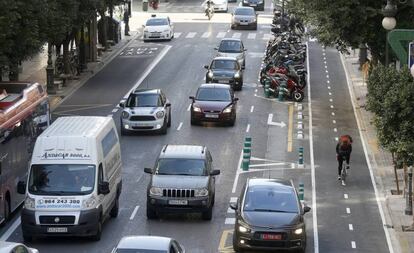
(209, 12)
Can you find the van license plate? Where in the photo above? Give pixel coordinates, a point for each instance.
(213, 116)
(57, 230)
(178, 202)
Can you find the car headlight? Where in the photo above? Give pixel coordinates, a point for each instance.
(155, 191)
(237, 75)
(196, 108)
(210, 74)
(89, 203)
(202, 192)
(227, 110)
(125, 115)
(159, 114)
(246, 1)
(29, 203)
(298, 231)
(243, 228)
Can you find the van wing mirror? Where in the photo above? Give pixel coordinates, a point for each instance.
(233, 206)
(206, 66)
(148, 170)
(122, 104)
(306, 209)
(103, 188)
(214, 172)
(21, 187)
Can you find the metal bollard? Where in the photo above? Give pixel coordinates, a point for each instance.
(300, 162)
(246, 162)
(266, 89)
(409, 199)
(301, 191)
(247, 153)
(282, 89)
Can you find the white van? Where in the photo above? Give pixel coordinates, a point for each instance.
(74, 179)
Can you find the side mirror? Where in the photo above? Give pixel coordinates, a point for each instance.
(122, 105)
(21, 187)
(168, 104)
(206, 66)
(245, 50)
(216, 48)
(148, 170)
(103, 188)
(306, 209)
(233, 206)
(214, 172)
(235, 99)
(191, 97)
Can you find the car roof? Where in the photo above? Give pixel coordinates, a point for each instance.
(153, 16)
(230, 39)
(225, 58)
(144, 242)
(243, 7)
(215, 86)
(277, 182)
(146, 91)
(183, 151)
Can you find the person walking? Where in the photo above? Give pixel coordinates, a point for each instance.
(126, 20)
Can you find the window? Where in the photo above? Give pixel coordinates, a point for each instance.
(211, 94)
(109, 141)
(270, 199)
(177, 166)
(143, 100)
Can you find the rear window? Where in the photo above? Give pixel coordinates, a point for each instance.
(230, 46)
(213, 94)
(244, 12)
(270, 199)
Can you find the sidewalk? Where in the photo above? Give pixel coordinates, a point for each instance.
(381, 162)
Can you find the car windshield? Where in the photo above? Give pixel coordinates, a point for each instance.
(177, 166)
(230, 46)
(244, 12)
(212, 94)
(61, 179)
(143, 100)
(270, 199)
(140, 251)
(224, 64)
(156, 22)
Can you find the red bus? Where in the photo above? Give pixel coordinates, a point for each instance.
(24, 114)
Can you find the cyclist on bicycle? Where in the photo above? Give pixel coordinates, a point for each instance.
(343, 152)
(209, 5)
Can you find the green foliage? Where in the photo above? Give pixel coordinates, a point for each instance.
(391, 99)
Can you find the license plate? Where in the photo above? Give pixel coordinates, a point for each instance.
(141, 125)
(213, 116)
(271, 237)
(223, 81)
(57, 230)
(179, 202)
(253, 5)
(244, 23)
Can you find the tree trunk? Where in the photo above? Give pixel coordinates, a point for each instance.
(111, 23)
(395, 172)
(13, 71)
(66, 61)
(104, 29)
(405, 178)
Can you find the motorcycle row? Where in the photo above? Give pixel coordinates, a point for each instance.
(284, 74)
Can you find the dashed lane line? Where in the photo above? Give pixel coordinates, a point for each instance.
(189, 108)
(346, 196)
(248, 128)
(290, 130)
(252, 108)
(351, 227)
(353, 244)
(348, 210)
(134, 213)
(179, 126)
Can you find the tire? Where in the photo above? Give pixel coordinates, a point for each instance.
(164, 127)
(236, 247)
(207, 215)
(6, 210)
(169, 119)
(124, 132)
(97, 236)
(298, 96)
(193, 122)
(213, 199)
(231, 123)
(115, 209)
(244, 64)
(151, 213)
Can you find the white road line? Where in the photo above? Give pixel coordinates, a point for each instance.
(229, 210)
(233, 199)
(330, 93)
(348, 210)
(230, 221)
(334, 121)
(233, 190)
(179, 126)
(327, 76)
(252, 108)
(324, 62)
(353, 244)
(312, 162)
(336, 139)
(327, 81)
(331, 100)
(221, 35)
(189, 108)
(149, 69)
(335, 130)
(333, 114)
(267, 36)
(255, 91)
(329, 87)
(109, 115)
(115, 110)
(10, 230)
(251, 36)
(248, 128)
(177, 35)
(236, 35)
(346, 196)
(351, 228)
(190, 35)
(206, 35)
(326, 71)
(332, 106)
(374, 184)
(134, 213)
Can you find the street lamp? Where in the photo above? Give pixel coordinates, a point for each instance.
(388, 23)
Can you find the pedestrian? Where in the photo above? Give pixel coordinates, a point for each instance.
(126, 20)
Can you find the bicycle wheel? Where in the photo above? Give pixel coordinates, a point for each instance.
(343, 173)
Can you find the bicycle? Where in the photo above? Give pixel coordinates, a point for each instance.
(344, 171)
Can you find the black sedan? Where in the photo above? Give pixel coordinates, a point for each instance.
(269, 216)
(225, 70)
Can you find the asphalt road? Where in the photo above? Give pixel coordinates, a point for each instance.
(177, 68)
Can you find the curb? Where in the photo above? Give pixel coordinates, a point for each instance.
(60, 98)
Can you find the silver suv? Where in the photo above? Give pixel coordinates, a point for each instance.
(182, 181)
(146, 110)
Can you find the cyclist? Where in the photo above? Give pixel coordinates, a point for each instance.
(343, 151)
(209, 5)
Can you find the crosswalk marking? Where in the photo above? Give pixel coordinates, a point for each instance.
(267, 36)
(206, 35)
(236, 35)
(230, 221)
(177, 35)
(191, 35)
(233, 199)
(229, 210)
(251, 36)
(221, 35)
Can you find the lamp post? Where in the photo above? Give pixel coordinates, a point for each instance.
(389, 23)
(50, 83)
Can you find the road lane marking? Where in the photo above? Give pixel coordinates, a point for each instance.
(179, 126)
(374, 184)
(248, 128)
(326, 71)
(251, 36)
(236, 35)
(221, 35)
(353, 244)
(327, 81)
(332, 106)
(267, 36)
(271, 123)
(233, 190)
(134, 213)
(335, 130)
(312, 162)
(346, 196)
(222, 244)
(148, 70)
(290, 130)
(230, 221)
(115, 110)
(189, 108)
(206, 35)
(336, 139)
(330, 93)
(233, 199)
(327, 76)
(252, 108)
(333, 114)
(329, 87)
(177, 35)
(351, 228)
(11, 229)
(334, 121)
(229, 210)
(348, 210)
(331, 100)
(190, 35)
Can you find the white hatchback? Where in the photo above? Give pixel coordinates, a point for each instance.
(221, 5)
(158, 28)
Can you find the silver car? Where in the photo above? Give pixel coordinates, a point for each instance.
(232, 48)
(244, 17)
(146, 110)
(14, 247)
(130, 244)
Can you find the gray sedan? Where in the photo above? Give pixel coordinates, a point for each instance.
(153, 244)
(244, 17)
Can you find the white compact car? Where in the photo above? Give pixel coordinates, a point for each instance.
(14, 247)
(158, 28)
(221, 5)
(130, 244)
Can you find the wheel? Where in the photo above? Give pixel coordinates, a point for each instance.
(244, 64)
(298, 96)
(164, 127)
(236, 247)
(240, 85)
(213, 199)
(97, 236)
(193, 121)
(232, 122)
(151, 213)
(169, 119)
(115, 209)
(207, 215)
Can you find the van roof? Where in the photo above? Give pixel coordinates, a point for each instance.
(76, 126)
